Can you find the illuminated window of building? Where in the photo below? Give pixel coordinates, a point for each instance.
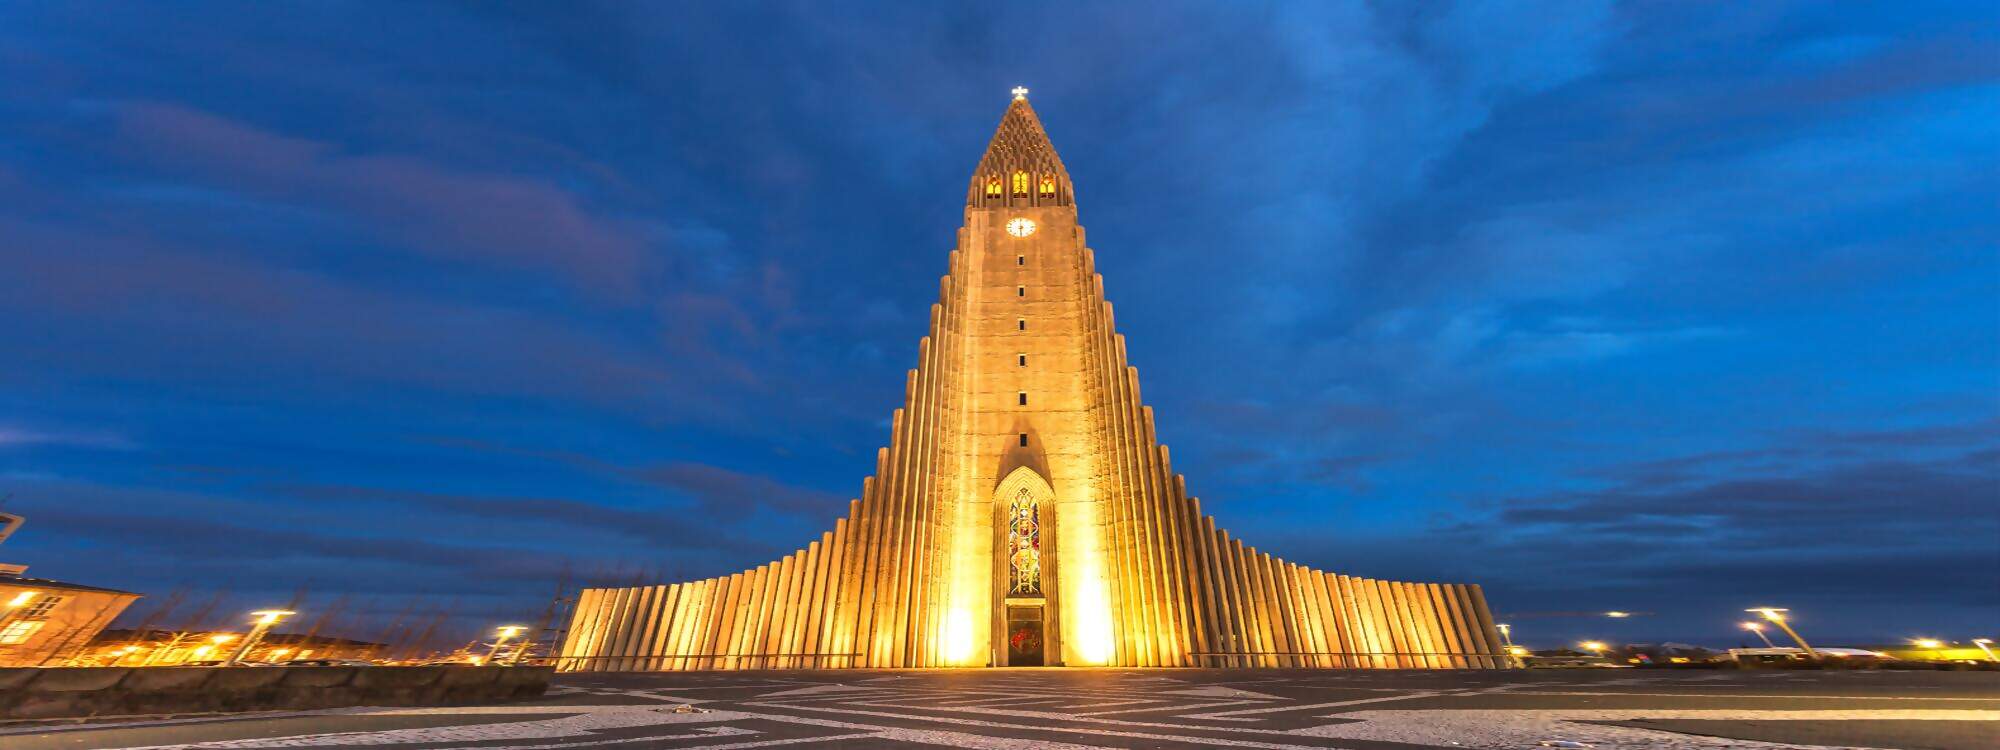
(1020, 183)
(1022, 398)
(39, 607)
(1024, 440)
(18, 631)
(1048, 185)
(1024, 545)
(993, 187)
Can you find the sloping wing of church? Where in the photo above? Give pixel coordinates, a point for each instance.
(1023, 513)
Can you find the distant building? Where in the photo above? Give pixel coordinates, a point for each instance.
(166, 648)
(47, 623)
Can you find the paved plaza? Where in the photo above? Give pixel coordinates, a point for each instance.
(1124, 708)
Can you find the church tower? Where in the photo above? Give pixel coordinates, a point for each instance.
(1023, 513)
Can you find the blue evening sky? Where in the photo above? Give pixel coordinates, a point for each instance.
(1667, 307)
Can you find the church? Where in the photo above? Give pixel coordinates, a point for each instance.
(1023, 513)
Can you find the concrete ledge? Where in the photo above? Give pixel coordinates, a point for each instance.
(95, 691)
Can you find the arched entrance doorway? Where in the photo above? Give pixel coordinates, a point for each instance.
(1024, 570)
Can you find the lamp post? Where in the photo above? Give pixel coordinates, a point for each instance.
(1985, 649)
(265, 618)
(1777, 617)
(506, 633)
(1595, 647)
(1758, 628)
(1507, 643)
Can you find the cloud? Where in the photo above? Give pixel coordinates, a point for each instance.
(481, 219)
(665, 527)
(726, 496)
(22, 437)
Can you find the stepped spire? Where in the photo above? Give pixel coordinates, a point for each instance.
(1020, 167)
(1023, 512)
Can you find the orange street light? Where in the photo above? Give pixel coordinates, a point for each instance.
(506, 633)
(1777, 617)
(1758, 628)
(260, 623)
(1595, 647)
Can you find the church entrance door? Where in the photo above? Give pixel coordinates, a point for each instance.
(1024, 636)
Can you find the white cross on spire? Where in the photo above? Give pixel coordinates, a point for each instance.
(1020, 92)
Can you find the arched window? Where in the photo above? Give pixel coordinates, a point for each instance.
(1020, 183)
(1048, 186)
(1024, 544)
(993, 187)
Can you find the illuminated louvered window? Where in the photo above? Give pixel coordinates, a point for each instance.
(1020, 183)
(1048, 186)
(993, 187)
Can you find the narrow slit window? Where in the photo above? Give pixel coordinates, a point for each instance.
(1020, 260)
(1024, 440)
(1020, 291)
(1021, 359)
(1021, 324)
(1021, 398)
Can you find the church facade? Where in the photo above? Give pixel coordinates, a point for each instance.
(1023, 513)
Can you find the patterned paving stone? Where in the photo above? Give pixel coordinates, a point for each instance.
(1070, 708)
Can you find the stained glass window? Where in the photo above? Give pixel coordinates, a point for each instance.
(1024, 543)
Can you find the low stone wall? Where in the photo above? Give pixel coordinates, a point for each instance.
(114, 691)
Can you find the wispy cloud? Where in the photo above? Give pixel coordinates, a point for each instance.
(20, 437)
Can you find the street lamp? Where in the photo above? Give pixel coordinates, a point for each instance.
(1514, 652)
(506, 632)
(1758, 628)
(1930, 643)
(1595, 647)
(261, 624)
(1777, 617)
(1983, 644)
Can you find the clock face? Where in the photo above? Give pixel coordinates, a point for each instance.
(1021, 227)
